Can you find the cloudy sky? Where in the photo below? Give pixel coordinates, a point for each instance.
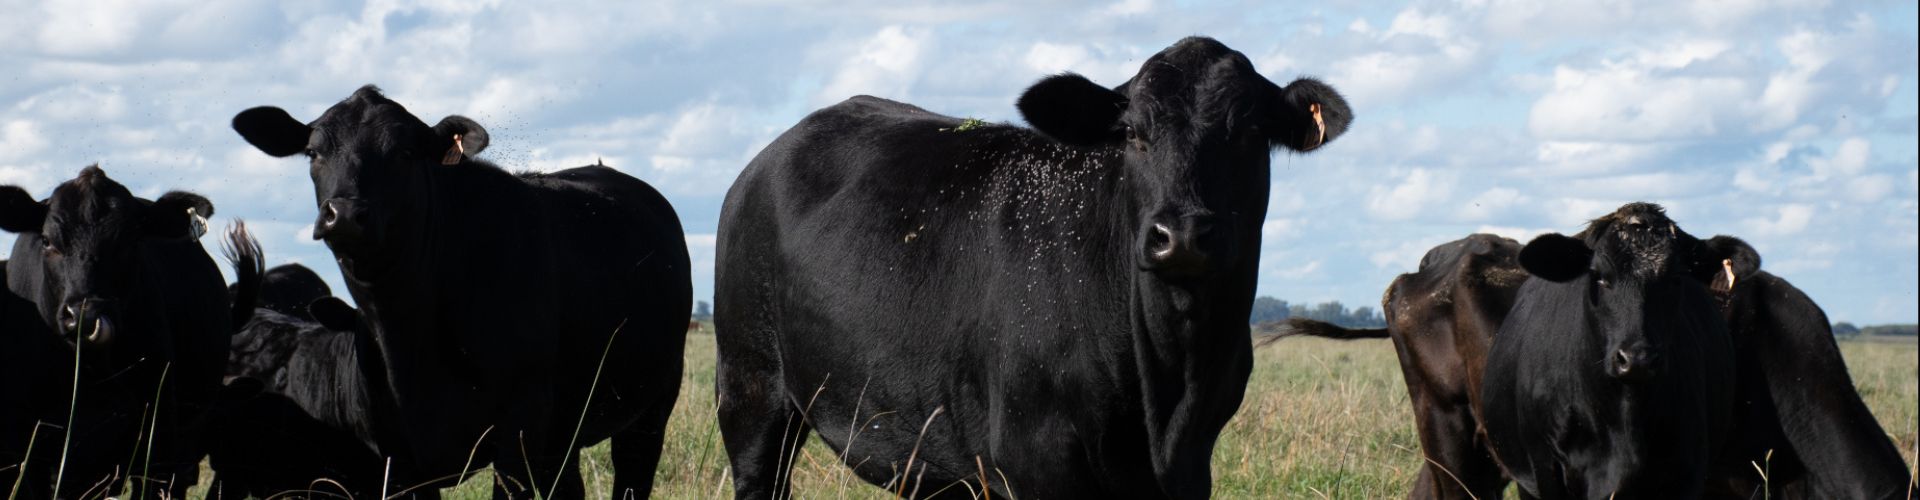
(1791, 123)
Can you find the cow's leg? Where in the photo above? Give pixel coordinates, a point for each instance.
(762, 432)
(518, 476)
(1456, 467)
(636, 453)
(570, 485)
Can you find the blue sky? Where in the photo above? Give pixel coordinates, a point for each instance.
(1791, 123)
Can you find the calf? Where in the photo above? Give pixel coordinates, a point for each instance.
(1612, 375)
(572, 336)
(123, 281)
(312, 386)
(288, 289)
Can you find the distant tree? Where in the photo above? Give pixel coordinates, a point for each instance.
(1902, 330)
(1268, 310)
(1845, 330)
(702, 311)
(1364, 317)
(1331, 312)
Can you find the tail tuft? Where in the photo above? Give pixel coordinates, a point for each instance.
(249, 264)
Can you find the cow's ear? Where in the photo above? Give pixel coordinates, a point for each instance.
(1556, 257)
(272, 130)
(473, 138)
(178, 214)
(1073, 110)
(19, 213)
(334, 314)
(1310, 114)
(1727, 252)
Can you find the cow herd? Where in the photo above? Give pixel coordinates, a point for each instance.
(956, 309)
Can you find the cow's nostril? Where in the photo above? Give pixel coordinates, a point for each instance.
(1623, 364)
(69, 320)
(1160, 241)
(329, 215)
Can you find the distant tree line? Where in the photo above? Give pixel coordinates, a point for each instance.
(1267, 310)
(1848, 330)
(702, 311)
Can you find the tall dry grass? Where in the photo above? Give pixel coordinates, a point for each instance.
(1322, 419)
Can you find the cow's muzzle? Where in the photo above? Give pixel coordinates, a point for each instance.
(1631, 364)
(1177, 246)
(87, 320)
(340, 219)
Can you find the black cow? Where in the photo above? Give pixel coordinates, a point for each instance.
(27, 386)
(124, 281)
(581, 265)
(288, 289)
(1613, 374)
(1058, 312)
(1442, 318)
(1797, 412)
(311, 386)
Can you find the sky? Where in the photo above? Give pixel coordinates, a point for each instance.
(1789, 123)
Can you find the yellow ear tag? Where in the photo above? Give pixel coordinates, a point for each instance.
(1318, 122)
(454, 153)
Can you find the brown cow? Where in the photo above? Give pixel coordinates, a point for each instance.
(1441, 319)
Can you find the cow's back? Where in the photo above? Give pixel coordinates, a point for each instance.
(877, 252)
(1443, 316)
(619, 263)
(616, 240)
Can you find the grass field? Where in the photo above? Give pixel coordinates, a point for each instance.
(1322, 419)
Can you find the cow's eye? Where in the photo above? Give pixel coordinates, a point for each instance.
(46, 246)
(1133, 138)
(1603, 283)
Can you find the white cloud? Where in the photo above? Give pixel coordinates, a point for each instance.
(1418, 51)
(1406, 255)
(1572, 214)
(1520, 234)
(1593, 158)
(1544, 116)
(1641, 97)
(20, 140)
(1275, 230)
(1491, 203)
(1790, 220)
(78, 103)
(1124, 8)
(30, 179)
(1418, 191)
(885, 65)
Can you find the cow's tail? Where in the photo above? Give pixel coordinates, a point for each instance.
(248, 265)
(1312, 328)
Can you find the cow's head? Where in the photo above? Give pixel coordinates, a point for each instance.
(1196, 126)
(370, 161)
(86, 238)
(1631, 264)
